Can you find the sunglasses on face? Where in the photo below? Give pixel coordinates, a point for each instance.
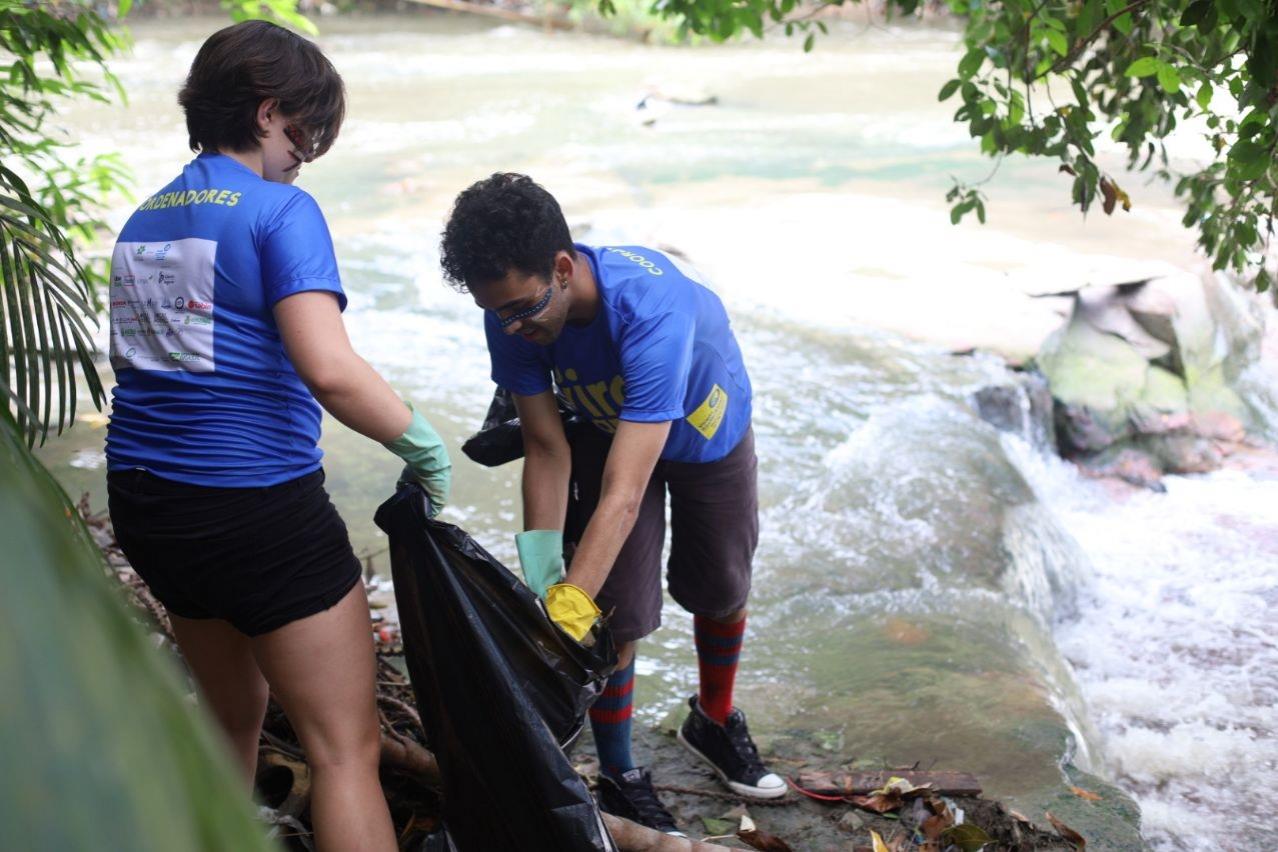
(530, 311)
(303, 149)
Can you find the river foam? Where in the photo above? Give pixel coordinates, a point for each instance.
(1174, 646)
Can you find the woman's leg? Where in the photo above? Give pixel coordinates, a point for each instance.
(322, 670)
(230, 684)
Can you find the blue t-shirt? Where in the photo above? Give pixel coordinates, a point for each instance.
(659, 348)
(205, 393)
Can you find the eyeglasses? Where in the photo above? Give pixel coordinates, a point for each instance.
(530, 311)
(303, 149)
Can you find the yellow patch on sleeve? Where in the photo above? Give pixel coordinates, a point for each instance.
(709, 413)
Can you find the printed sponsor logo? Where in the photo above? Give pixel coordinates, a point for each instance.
(119, 303)
(161, 253)
(179, 304)
(167, 279)
(637, 259)
(196, 319)
(184, 357)
(709, 415)
(129, 281)
(194, 305)
(139, 251)
(130, 352)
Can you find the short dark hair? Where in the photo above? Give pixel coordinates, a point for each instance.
(503, 223)
(242, 65)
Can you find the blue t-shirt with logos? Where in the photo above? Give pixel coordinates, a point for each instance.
(659, 348)
(205, 393)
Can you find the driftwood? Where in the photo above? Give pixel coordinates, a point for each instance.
(862, 783)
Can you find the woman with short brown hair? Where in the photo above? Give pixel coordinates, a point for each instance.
(227, 339)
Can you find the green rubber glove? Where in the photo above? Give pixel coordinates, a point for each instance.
(428, 463)
(541, 556)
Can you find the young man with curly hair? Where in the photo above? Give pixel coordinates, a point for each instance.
(644, 351)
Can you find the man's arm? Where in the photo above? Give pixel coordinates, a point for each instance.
(631, 460)
(547, 461)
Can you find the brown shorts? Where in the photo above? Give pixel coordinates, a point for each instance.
(714, 529)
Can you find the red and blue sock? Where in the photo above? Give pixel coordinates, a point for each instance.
(718, 649)
(610, 722)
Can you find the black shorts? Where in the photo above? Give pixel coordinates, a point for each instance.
(256, 557)
(714, 530)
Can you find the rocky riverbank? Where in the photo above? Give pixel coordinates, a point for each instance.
(901, 816)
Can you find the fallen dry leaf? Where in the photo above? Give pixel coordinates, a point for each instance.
(1066, 832)
(762, 840)
(1085, 794)
(876, 842)
(968, 837)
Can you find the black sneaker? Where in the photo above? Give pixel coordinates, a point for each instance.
(631, 796)
(730, 752)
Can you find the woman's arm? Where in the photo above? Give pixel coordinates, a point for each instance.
(315, 339)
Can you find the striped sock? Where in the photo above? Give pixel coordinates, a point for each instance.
(610, 722)
(718, 648)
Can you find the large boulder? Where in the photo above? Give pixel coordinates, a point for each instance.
(1145, 376)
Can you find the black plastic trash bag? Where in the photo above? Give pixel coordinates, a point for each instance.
(499, 686)
(499, 440)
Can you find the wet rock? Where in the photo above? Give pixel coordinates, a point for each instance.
(1023, 407)
(1131, 466)
(1142, 376)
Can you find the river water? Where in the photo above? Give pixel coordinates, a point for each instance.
(928, 589)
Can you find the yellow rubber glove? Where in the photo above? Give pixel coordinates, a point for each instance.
(572, 609)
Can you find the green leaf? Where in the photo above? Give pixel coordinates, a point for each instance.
(123, 10)
(1249, 160)
(1204, 95)
(1196, 13)
(809, 42)
(719, 827)
(971, 63)
(1247, 152)
(1146, 66)
(1169, 79)
(961, 210)
(949, 89)
(1057, 41)
(1123, 23)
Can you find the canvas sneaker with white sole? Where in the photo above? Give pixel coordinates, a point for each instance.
(630, 796)
(730, 752)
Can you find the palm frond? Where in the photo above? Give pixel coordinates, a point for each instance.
(46, 302)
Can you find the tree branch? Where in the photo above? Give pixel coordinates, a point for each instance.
(1068, 59)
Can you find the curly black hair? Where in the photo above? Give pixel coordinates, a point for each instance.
(503, 223)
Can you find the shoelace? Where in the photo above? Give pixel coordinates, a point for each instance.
(744, 747)
(648, 807)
